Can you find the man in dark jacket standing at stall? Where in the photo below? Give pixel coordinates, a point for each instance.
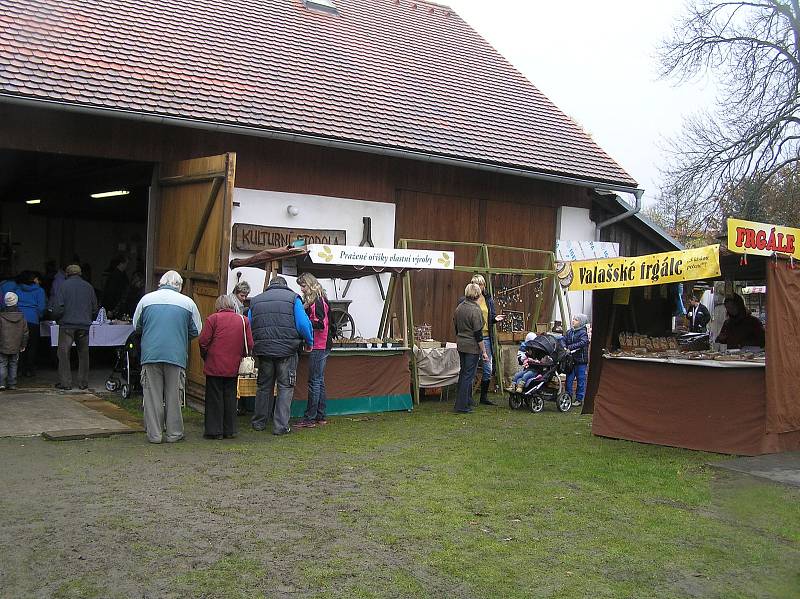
(280, 326)
(698, 316)
(74, 307)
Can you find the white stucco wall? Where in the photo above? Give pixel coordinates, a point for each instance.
(574, 224)
(269, 208)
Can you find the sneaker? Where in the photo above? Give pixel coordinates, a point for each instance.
(577, 403)
(62, 387)
(322, 422)
(2, 387)
(305, 424)
(285, 431)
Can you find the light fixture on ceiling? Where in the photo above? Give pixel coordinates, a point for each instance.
(293, 210)
(111, 194)
(32, 202)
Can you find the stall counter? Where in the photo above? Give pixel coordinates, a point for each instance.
(718, 409)
(360, 380)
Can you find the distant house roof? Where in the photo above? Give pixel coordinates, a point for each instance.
(613, 205)
(392, 73)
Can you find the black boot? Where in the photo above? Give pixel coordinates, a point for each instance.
(484, 393)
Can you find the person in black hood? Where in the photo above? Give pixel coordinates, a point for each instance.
(13, 338)
(116, 287)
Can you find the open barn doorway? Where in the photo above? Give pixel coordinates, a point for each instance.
(57, 210)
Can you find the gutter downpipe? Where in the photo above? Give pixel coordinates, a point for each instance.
(638, 193)
(321, 141)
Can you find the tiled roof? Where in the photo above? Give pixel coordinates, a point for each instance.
(393, 73)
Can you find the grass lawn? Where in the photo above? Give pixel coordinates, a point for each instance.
(493, 504)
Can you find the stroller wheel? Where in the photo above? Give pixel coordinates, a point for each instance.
(112, 384)
(126, 391)
(514, 401)
(564, 402)
(536, 404)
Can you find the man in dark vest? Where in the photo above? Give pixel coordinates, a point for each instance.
(698, 315)
(280, 326)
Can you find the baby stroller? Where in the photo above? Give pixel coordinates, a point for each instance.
(125, 375)
(553, 361)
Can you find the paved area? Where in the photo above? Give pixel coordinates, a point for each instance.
(36, 411)
(779, 467)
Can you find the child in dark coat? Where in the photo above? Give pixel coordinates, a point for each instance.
(13, 339)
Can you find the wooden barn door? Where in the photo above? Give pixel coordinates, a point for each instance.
(189, 232)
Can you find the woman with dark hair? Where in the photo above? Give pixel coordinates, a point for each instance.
(32, 304)
(740, 329)
(225, 339)
(469, 323)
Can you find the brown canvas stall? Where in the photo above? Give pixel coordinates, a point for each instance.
(189, 231)
(737, 411)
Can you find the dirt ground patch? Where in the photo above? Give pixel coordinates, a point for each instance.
(425, 504)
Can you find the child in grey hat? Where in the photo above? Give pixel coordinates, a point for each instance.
(13, 339)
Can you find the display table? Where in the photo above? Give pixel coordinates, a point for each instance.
(359, 380)
(702, 405)
(100, 335)
(437, 366)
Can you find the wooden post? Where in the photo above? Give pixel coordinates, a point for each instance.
(387, 307)
(560, 295)
(498, 354)
(409, 310)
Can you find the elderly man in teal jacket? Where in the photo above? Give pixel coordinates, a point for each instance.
(167, 321)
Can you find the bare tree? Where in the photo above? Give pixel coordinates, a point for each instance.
(752, 49)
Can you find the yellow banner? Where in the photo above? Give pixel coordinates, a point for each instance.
(748, 237)
(653, 269)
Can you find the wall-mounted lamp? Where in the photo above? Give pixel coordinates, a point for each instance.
(293, 210)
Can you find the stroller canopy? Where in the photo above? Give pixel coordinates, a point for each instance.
(547, 344)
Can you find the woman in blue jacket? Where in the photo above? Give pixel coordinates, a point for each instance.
(577, 341)
(32, 305)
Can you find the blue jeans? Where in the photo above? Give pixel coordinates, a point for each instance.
(8, 369)
(317, 398)
(523, 376)
(578, 372)
(469, 365)
(486, 365)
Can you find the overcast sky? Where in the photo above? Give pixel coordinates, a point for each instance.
(596, 61)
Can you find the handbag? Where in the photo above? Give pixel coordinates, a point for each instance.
(247, 366)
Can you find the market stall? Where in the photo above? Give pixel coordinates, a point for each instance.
(644, 388)
(362, 375)
(529, 288)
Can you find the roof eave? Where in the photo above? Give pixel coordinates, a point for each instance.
(305, 138)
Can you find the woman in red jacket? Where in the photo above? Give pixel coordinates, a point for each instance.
(222, 346)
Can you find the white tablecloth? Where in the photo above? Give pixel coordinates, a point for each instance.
(100, 335)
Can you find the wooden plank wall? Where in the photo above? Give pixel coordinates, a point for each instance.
(433, 201)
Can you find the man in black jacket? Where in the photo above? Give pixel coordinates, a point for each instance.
(280, 326)
(75, 306)
(698, 316)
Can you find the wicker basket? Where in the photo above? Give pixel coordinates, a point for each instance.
(246, 386)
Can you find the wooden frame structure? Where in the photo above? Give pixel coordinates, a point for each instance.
(481, 265)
